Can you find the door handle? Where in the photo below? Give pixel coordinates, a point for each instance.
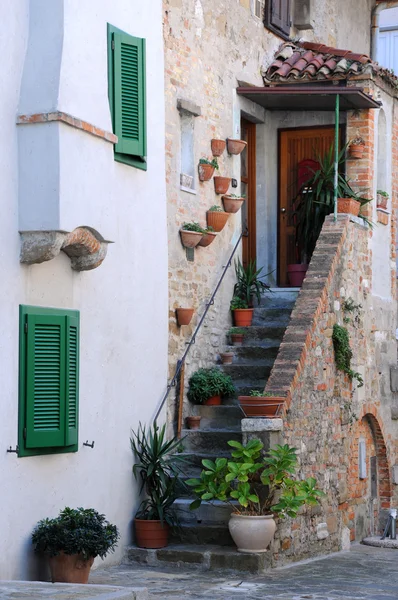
(283, 210)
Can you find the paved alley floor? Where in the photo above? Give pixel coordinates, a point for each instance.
(364, 573)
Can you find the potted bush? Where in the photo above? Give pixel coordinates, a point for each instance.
(356, 148)
(157, 468)
(232, 202)
(216, 218)
(184, 315)
(235, 146)
(221, 184)
(209, 235)
(206, 168)
(236, 335)
(258, 487)
(217, 147)
(382, 199)
(248, 282)
(191, 234)
(261, 404)
(243, 315)
(208, 386)
(72, 541)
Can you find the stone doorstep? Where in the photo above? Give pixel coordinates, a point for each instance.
(204, 558)
(38, 590)
(376, 542)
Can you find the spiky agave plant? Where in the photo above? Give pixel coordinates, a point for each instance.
(248, 282)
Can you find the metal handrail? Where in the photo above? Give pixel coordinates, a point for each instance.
(181, 361)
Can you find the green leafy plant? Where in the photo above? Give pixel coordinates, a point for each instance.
(248, 282)
(255, 481)
(384, 194)
(358, 141)
(205, 383)
(238, 303)
(193, 227)
(236, 196)
(209, 229)
(215, 208)
(236, 331)
(206, 161)
(343, 353)
(260, 394)
(157, 468)
(76, 531)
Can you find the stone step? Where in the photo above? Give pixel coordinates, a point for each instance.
(283, 297)
(250, 372)
(243, 386)
(255, 354)
(216, 513)
(225, 416)
(259, 332)
(201, 534)
(271, 317)
(208, 440)
(205, 558)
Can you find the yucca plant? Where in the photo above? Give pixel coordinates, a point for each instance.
(248, 282)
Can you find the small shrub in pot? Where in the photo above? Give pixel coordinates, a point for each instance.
(207, 386)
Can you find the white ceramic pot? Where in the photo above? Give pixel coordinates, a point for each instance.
(252, 534)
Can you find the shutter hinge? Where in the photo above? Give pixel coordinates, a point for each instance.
(24, 433)
(26, 328)
(113, 44)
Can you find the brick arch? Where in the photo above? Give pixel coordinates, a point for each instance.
(383, 470)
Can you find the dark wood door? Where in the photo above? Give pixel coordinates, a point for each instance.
(248, 188)
(296, 147)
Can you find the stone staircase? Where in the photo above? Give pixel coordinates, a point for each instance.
(203, 539)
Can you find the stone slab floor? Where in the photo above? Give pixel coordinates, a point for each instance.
(364, 573)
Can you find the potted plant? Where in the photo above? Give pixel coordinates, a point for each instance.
(184, 315)
(356, 148)
(217, 147)
(243, 315)
(191, 234)
(208, 386)
(248, 282)
(216, 218)
(382, 199)
(257, 487)
(236, 334)
(235, 146)
(209, 235)
(261, 404)
(232, 202)
(221, 184)
(72, 541)
(157, 468)
(193, 422)
(227, 358)
(206, 168)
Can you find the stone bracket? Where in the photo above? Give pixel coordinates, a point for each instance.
(85, 247)
(268, 431)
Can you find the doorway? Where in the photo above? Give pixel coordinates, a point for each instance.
(248, 189)
(298, 153)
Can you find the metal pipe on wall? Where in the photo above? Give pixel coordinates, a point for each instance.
(374, 32)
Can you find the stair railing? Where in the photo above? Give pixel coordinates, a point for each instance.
(181, 361)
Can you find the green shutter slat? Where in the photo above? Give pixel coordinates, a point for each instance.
(72, 381)
(45, 381)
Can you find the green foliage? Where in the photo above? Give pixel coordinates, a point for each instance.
(193, 227)
(235, 196)
(238, 303)
(215, 208)
(236, 331)
(256, 393)
(157, 467)
(248, 282)
(76, 531)
(382, 193)
(350, 306)
(205, 383)
(343, 353)
(209, 229)
(206, 161)
(255, 480)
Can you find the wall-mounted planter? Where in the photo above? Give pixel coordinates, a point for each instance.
(227, 358)
(382, 216)
(193, 422)
(205, 172)
(232, 205)
(382, 201)
(184, 315)
(235, 146)
(207, 239)
(217, 147)
(221, 184)
(243, 317)
(348, 206)
(269, 407)
(356, 151)
(190, 239)
(217, 219)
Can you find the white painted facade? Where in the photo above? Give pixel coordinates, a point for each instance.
(55, 58)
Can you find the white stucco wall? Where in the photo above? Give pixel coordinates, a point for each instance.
(123, 303)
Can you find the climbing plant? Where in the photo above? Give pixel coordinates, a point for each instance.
(343, 353)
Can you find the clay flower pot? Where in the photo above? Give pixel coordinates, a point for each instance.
(221, 184)
(70, 568)
(232, 205)
(348, 206)
(252, 534)
(217, 147)
(207, 239)
(269, 407)
(151, 534)
(235, 146)
(217, 219)
(296, 274)
(193, 422)
(237, 339)
(190, 239)
(184, 315)
(382, 201)
(382, 216)
(243, 317)
(356, 151)
(226, 358)
(205, 172)
(213, 401)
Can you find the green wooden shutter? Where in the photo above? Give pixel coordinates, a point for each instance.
(72, 380)
(129, 102)
(45, 381)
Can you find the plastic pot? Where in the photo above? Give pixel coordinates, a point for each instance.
(243, 317)
(296, 274)
(151, 534)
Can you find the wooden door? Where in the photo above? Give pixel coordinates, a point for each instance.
(248, 188)
(296, 147)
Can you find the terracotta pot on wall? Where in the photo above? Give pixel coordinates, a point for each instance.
(151, 534)
(235, 146)
(217, 219)
(348, 206)
(243, 317)
(190, 239)
(232, 205)
(261, 406)
(193, 422)
(213, 401)
(70, 568)
(221, 184)
(207, 239)
(205, 172)
(382, 201)
(184, 315)
(356, 151)
(296, 274)
(217, 147)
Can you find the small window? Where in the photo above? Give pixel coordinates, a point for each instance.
(258, 8)
(277, 17)
(48, 380)
(127, 96)
(187, 177)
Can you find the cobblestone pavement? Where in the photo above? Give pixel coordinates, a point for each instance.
(364, 573)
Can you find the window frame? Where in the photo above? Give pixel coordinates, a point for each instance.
(268, 20)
